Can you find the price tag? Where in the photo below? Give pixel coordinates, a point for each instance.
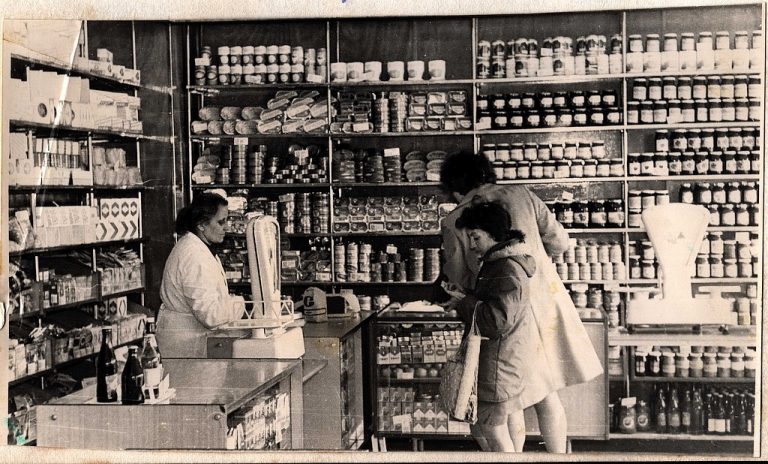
(241, 141)
(394, 152)
(566, 196)
(315, 78)
(202, 61)
(628, 402)
(360, 127)
(483, 124)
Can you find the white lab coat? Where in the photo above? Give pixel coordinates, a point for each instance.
(195, 299)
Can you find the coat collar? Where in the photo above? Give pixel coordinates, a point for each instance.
(506, 250)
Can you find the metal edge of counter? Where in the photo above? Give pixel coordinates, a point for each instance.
(336, 327)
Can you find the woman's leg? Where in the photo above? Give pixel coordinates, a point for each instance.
(496, 437)
(553, 423)
(516, 426)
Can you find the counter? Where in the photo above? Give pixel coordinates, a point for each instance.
(207, 392)
(336, 328)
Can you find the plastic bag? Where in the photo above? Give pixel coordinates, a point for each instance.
(458, 385)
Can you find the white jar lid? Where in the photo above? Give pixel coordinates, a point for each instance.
(236, 50)
(223, 50)
(248, 50)
(260, 50)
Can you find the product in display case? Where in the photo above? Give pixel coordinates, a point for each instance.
(388, 214)
(396, 71)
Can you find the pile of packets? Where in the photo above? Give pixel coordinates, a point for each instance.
(384, 112)
(47, 347)
(261, 424)
(401, 410)
(289, 112)
(389, 214)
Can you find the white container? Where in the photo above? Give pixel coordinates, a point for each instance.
(415, 70)
(338, 72)
(580, 65)
(740, 59)
(670, 61)
(569, 65)
(723, 60)
(705, 59)
(436, 70)
(634, 62)
(533, 66)
(687, 60)
(652, 62)
(355, 71)
(614, 63)
(603, 64)
(396, 70)
(372, 70)
(545, 66)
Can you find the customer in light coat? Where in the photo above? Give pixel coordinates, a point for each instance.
(500, 306)
(194, 288)
(570, 356)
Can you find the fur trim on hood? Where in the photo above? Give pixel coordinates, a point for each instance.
(518, 251)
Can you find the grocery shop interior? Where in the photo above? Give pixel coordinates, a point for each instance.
(536, 232)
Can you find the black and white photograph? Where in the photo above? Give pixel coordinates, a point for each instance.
(383, 231)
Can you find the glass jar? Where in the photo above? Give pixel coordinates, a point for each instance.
(715, 110)
(516, 119)
(648, 269)
(710, 365)
(750, 365)
(613, 115)
(596, 116)
(549, 169)
(737, 364)
(544, 152)
(537, 170)
(609, 98)
(655, 89)
(716, 243)
(669, 88)
(689, 163)
(560, 100)
(716, 270)
(577, 99)
(696, 364)
(528, 101)
(727, 215)
(754, 109)
(616, 167)
(532, 119)
(733, 193)
(633, 112)
(714, 215)
(699, 88)
(702, 163)
(646, 164)
(748, 138)
(675, 163)
(730, 268)
(674, 111)
(646, 112)
(581, 214)
(524, 170)
(640, 363)
(660, 112)
(702, 267)
(688, 111)
(668, 364)
(517, 152)
(702, 110)
(594, 98)
(597, 215)
(679, 140)
(684, 88)
(715, 163)
(660, 164)
(577, 168)
(635, 271)
(564, 214)
(562, 169)
(682, 365)
(713, 87)
(604, 168)
(730, 165)
(580, 117)
(590, 168)
(724, 365)
(707, 138)
(749, 192)
(718, 193)
(615, 213)
(727, 87)
(741, 110)
(653, 364)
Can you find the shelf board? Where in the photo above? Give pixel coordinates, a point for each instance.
(426, 435)
(65, 364)
(384, 184)
(712, 229)
(216, 138)
(729, 380)
(316, 185)
(219, 88)
(388, 234)
(103, 188)
(681, 339)
(692, 74)
(563, 180)
(391, 380)
(680, 437)
(335, 135)
(694, 125)
(551, 130)
(69, 69)
(58, 127)
(705, 177)
(124, 292)
(37, 251)
(571, 79)
(399, 84)
(605, 230)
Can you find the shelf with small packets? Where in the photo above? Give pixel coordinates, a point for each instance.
(38, 251)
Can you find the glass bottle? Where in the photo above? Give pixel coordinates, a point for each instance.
(132, 379)
(643, 419)
(686, 409)
(660, 411)
(151, 363)
(106, 370)
(719, 414)
(697, 413)
(673, 412)
(739, 422)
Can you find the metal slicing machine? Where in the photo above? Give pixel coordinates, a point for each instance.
(269, 318)
(676, 231)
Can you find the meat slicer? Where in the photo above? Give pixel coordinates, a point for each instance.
(676, 231)
(267, 318)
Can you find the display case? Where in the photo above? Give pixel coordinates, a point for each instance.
(245, 404)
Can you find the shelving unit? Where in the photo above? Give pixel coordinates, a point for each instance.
(461, 57)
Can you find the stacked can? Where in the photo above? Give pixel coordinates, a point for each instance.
(392, 168)
(340, 261)
(256, 164)
(373, 168)
(351, 262)
(272, 166)
(303, 213)
(526, 58)
(238, 173)
(287, 210)
(364, 262)
(432, 264)
(398, 111)
(591, 55)
(483, 70)
(416, 265)
(321, 212)
(381, 115)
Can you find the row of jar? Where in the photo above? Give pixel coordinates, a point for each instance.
(547, 100)
(532, 119)
(550, 46)
(581, 64)
(713, 243)
(693, 163)
(590, 251)
(688, 42)
(591, 271)
(734, 193)
(561, 169)
(719, 215)
(595, 296)
(700, 362)
(518, 151)
(691, 111)
(582, 214)
(707, 267)
(696, 88)
(732, 138)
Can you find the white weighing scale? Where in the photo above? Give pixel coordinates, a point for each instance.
(268, 319)
(676, 231)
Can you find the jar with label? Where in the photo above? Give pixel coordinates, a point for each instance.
(696, 365)
(669, 88)
(647, 198)
(528, 100)
(640, 363)
(633, 164)
(646, 164)
(516, 152)
(627, 419)
(727, 215)
(710, 365)
(532, 119)
(737, 364)
(748, 138)
(724, 365)
(716, 243)
(537, 169)
(660, 164)
(653, 363)
(524, 170)
(597, 216)
(679, 140)
(613, 115)
(578, 296)
(702, 267)
(749, 192)
(604, 168)
(684, 88)
(562, 169)
(713, 87)
(716, 270)
(483, 103)
(688, 111)
(675, 163)
(616, 167)
(702, 110)
(635, 271)
(549, 169)
(596, 116)
(655, 89)
(646, 112)
(668, 364)
(633, 112)
(730, 165)
(510, 170)
(715, 110)
(702, 162)
(714, 215)
(754, 109)
(648, 268)
(499, 120)
(682, 365)
(581, 214)
(754, 214)
(750, 365)
(706, 139)
(730, 268)
(727, 86)
(735, 140)
(580, 117)
(615, 213)
(590, 168)
(686, 193)
(753, 86)
(608, 98)
(733, 193)
(634, 217)
(543, 152)
(741, 110)
(715, 162)
(660, 112)
(699, 87)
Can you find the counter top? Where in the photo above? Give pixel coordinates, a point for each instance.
(336, 328)
(229, 383)
(393, 315)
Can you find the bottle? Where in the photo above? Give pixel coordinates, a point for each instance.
(54, 292)
(728, 412)
(106, 370)
(686, 410)
(660, 411)
(697, 413)
(750, 413)
(739, 424)
(150, 363)
(643, 418)
(709, 413)
(673, 412)
(132, 379)
(719, 414)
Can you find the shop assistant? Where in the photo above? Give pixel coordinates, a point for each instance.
(194, 293)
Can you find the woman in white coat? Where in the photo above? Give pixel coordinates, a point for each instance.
(194, 289)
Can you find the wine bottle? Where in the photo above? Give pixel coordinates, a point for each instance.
(106, 370)
(698, 421)
(133, 379)
(673, 412)
(739, 425)
(660, 411)
(685, 412)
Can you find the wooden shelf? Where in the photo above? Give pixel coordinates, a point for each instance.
(571, 79)
(210, 90)
(682, 339)
(680, 437)
(217, 138)
(43, 311)
(315, 185)
(399, 84)
(550, 130)
(694, 125)
(97, 188)
(38, 251)
(69, 69)
(65, 364)
(86, 130)
(335, 135)
(705, 177)
(708, 380)
(692, 74)
(123, 292)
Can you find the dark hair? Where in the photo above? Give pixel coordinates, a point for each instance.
(203, 207)
(464, 171)
(492, 218)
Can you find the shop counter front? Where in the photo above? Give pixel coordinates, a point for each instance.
(212, 397)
